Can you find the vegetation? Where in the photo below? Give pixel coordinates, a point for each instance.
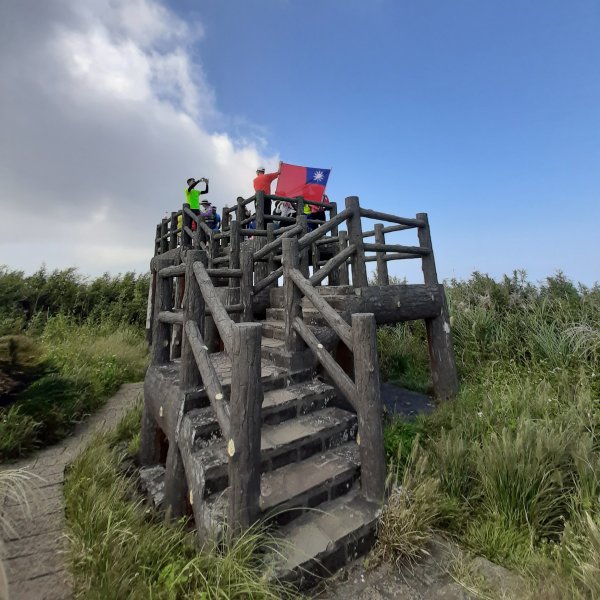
(517, 455)
(119, 549)
(66, 345)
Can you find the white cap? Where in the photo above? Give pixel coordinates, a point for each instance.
(260, 169)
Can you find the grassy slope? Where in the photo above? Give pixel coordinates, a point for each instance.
(517, 456)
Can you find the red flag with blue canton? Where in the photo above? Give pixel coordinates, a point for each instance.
(308, 182)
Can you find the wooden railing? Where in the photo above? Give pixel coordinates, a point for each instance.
(360, 337)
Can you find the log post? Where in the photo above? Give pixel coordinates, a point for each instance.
(359, 269)
(239, 211)
(193, 310)
(225, 219)
(439, 336)
(164, 232)
(211, 333)
(157, 244)
(150, 307)
(270, 238)
(234, 259)
(259, 205)
(368, 399)
(163, 301)
(213, 249)
(382, 270)
(260, 266)
(172, 234)
(176, 331)
(186, 221)
(292, 295)
(304, 254)
(343, 277)
(150, 438)
(243, 447)
(334, 276)
(176, 489)
(247, 281)
(316, 257)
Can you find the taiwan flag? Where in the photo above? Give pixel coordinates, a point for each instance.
(307, 182)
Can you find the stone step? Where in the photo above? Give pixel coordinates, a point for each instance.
(286, 491)
(288, 442)
(273, 329)
(200, 426)
(320, 542)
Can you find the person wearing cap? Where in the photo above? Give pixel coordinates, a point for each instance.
(262, 182)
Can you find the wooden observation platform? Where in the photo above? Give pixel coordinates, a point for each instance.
(262, 400)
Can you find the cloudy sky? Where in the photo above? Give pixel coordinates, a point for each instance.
(483, 114)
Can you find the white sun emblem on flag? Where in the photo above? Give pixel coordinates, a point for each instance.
(318, 176)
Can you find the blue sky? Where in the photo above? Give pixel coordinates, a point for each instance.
(484, 114)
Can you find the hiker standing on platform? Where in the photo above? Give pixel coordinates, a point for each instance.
(262, 182)
(192, 195)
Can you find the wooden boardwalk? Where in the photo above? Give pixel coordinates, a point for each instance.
(35, 555)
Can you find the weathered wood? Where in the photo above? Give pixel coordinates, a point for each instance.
(302, 222)
(334, 276)
(239, 211)
(359, 269)
(254, 232)
(283, 230)
(209, 376)
(368, 408)
(230, 273)
(279, 219)
(397, 256)
(172, 271)
(382, 270)
(333, 318)
(150, 446)
(170, 317)
(164, 232)
(441, 352)
(316, 257)
(225, 219)
(157, 244)
(163, 302)
(313, 236)
(150, 306)
(332, 265)
(341, 380)
(328, 240)
(190, 234)
(218, 312)
(176, 490)
(172, 231)
(380, 216)
(261, 269)
(186, 226)
(243, 446)
(292, 296)
(247, 282)
(388, 229)
(428, 264)
(267, 281)
(259, 204)
(343, 273)
(273, 245)
(396, 248)
(193, 312)
(270, 240)
(234, 249)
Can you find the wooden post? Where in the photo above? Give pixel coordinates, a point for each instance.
(239, 211)
(172, 234)
(439, 336)
(304, 258)
(382, 270)
(234, 260)
(259, 204)
(270, 260)
(213, 248)
(157, 244)
(315, 258)
(150, 307)
(176, 489)
(334, 276)
(344, 279)
(292, 295)
(260, 267)
(177, 331)
(186, 221)
(370, 414)
(247, 281)
(150, 446)
(243, 447)
(193, 310)
(211, 333)
(359, 269)
(162, 301)
(225, 219)
(164, 231)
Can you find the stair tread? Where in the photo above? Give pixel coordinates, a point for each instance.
(288, 484)
(315, 534)
(222, 364)
(294, 430)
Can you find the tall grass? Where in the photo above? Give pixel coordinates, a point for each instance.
(119, 550)
(517, 455)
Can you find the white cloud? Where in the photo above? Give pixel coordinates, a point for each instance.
(106, 113)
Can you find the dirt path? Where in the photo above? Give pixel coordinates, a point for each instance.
(35, 560)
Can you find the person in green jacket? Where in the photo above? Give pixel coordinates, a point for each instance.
(192, 195)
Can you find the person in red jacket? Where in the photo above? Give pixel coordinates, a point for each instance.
(262, 182)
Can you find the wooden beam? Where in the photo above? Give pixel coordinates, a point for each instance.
(332, 265)
(267, 281)
(380, 216)
(397, 248)
(172, 318)
(318, 233)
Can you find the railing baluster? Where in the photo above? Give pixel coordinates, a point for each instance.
(292, 295)
(359, 269)
(343, 277)
(382, 270)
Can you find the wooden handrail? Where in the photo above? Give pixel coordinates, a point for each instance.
(265, 250)
(218, 311)
(173, 271)
(170, 317)
(267, 281)
(388, 229)
(210, 379)
(397, 248)
(313, 236)
(380, 216)
(190, 213)
(341, 328)
(333, 263)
